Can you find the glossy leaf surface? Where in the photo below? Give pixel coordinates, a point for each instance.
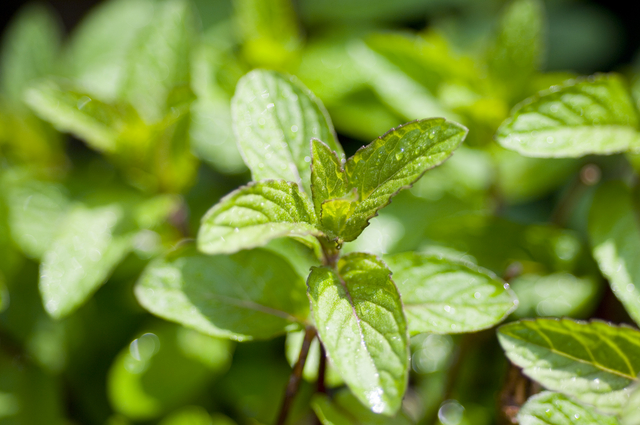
(345, 409)
(549, 408)
(359, 316)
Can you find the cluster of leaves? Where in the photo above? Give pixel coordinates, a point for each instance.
(388, 305)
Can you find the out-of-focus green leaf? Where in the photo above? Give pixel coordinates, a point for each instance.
(4, 296)
(153, 375)
(442, 296)
(595, 115)
(159, 60)
(630, 414)
(360, 320)
(345, 409)
(549, 408)
(214, 353)
(293, 344)
(615, 238)
(255, 214)
(29, 50)
(36, 210)
(97, 51)
(194, 415)
(516, 53)
(249, 295)
(395, 161)
(97, 123)
(81, 257)
(593, 363)
(269, 30)
(275, 117)
(557, 294)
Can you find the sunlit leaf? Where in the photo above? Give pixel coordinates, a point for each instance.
(359, 316)
(443, 296)
(255, 214)
(345, 409)
(630, 414)
(195, 416)
(593, 363)
(328, 179)
(275, 117)
(249, 295)
(595, 115)
(615, 238)
(549, 408)
(292, 346)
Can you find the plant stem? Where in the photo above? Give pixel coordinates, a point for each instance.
(322, 370)
(296, 376)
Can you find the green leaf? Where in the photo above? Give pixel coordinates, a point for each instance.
(630, 414)
(97, 123)
(593, 363)
(159, 60)
(275, 117)
(592, 115)
(442, 296)
(549, 408)
(249, 295)
(328, 179)
(81, 258)
(292, 346)
(4, 295)
(29, 50)
(345, 409)
(254, 214)
(615, 241)
(358, 313)
(194, 415)
(395, 161)
(97, 50)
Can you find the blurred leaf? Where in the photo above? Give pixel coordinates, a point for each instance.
(152, 375)
(195, 416)
(549, 408)
(345, 409)
(275, 117)
(97, 51)
(557, 294)
(254, 214)
(579, 117)
(358, 313)
(630, 414)
(442, 296)
(269, 29)
(593, 362)
(159, 60)
(215, 353)
(249, 295)
(395, 161)
(81, 257)
(615, 238)
(4, 297)
(29, 50)
(517, 51)
(292, 346)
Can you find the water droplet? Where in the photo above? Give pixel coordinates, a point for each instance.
(451, 412)
(143, 348)
(477, 295)
(307, 159)
(294, 128)
(271, 105)
(550, 139)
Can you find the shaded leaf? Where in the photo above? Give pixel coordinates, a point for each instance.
(615, 241)
(593, 363)
(345, 409)
(549, 408)
(249, 295)
(254, 214)
(442, 296)
(293, 344)
(592, 115)
(275, 117)
(359, 316)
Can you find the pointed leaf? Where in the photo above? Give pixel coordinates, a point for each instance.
(81, 257)
(615, 237)
(358, 313)
(328, 179)
(593, 363)
(583, 116)
(254, 214)
(249, 295)
(275, 117)
(549, 408)
(442, 296)
(345, 409)
(395, 161)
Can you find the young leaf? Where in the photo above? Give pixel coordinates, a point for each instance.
(358, 313)
(275, 117)
(249, 295)
(328, 179)
(442, 296)
(583, 116)
(81, 258)
(345, 409)
(254, 214)
(593, 363)
(395, 161)
(615, 238)
(549, 408)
